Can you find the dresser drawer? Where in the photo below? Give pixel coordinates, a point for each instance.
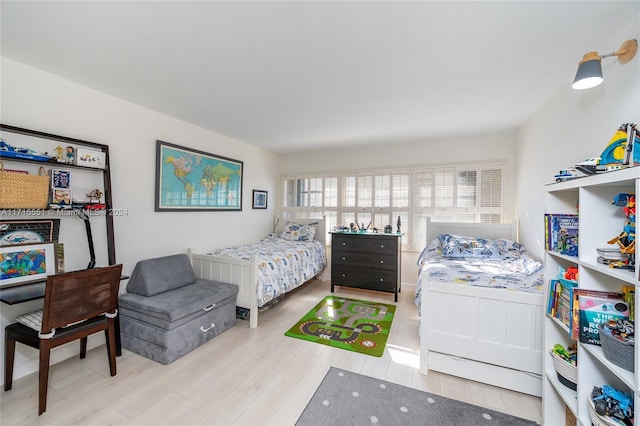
(371, 279)
(370, 260)
(364, 243)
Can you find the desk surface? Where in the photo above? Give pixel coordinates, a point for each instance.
(26, 292)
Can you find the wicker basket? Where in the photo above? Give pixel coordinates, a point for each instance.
(598, 420)
(22, 190)
(567, 373)
(616, 351)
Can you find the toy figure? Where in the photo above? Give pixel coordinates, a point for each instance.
(70, 154)
(626, 239)
(59, 152)
(95, 196)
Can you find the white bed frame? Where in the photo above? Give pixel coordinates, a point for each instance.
(487, 335)
(243, 273)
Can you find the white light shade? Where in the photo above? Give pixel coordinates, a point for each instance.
(589, 74)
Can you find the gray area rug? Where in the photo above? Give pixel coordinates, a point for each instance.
(346, 398)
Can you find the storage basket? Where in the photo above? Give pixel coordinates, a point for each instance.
(616, 351)
(22, 190)
(598, 420)
(567, 372)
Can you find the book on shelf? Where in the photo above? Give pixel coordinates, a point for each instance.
(597, 307)
(559, 303)
(561, 233)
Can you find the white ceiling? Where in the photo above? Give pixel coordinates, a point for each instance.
(298, 75)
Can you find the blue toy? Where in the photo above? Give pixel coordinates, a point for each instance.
(611, 402)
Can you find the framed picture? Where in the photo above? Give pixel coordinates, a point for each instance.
(90, 158)
(259, 199)
(191, 180)
(26, 263)
(16, 232)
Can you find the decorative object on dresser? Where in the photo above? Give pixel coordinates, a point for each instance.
(168, 312)
(347, 398)
(605, 294)
(189, 179)
(256, 268)
(366, 260)
(354, 325)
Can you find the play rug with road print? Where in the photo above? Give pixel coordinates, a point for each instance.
(354, 325)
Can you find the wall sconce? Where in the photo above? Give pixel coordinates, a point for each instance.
(590, 68)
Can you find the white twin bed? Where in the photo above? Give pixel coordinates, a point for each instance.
(486, 330)
(267, 270)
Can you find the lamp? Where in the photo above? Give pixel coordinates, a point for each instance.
(590, 68)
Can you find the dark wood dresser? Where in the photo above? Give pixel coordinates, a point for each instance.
(366, 260)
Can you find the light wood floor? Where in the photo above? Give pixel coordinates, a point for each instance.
(242, 377)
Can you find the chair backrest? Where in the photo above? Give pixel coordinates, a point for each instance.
(80, 295)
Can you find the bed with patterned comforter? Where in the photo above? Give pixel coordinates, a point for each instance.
(282, 264)
(498, 264)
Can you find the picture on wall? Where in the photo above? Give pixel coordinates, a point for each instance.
(259, 199)
(26, 263)
(191, 180)
(13, 232)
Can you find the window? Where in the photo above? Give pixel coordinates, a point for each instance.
(373, 199)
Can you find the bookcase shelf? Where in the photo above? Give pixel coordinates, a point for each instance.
(599, 221)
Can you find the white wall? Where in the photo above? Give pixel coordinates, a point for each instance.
(40, 101)
(570, 127)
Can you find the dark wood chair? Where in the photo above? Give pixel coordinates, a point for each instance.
(76, 305)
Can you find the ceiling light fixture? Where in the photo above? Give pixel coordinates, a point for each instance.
(590, 68)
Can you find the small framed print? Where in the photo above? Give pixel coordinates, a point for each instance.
(26, 263)
(90, 158)
(259, 199)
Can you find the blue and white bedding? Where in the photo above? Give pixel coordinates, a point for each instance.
(283, 264)
(498, 264)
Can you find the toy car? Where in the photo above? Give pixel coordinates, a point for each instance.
(566, 174)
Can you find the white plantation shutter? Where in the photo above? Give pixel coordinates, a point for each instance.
(456, 193)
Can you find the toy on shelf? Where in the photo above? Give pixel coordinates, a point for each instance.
(613, 403)
(627, 238)
(570, 354)
(567, 174)
(7, 150)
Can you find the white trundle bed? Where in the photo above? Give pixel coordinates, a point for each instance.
(489, 335)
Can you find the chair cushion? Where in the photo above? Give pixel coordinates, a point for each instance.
(31, 319)
(161, 274)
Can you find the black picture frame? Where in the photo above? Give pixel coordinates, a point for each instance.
(260, 199)
(192, 180)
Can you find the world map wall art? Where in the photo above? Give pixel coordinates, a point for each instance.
(188, 179)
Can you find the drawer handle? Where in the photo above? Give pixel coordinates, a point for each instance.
(381, 279)
(382, 261)
(204, 330)
(344, 275)
(344, 244)
(208, 308)
(344, 257)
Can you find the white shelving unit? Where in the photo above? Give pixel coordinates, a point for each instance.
(599, 221)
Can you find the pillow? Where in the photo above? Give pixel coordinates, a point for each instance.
(455, 246)
(297, 232)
